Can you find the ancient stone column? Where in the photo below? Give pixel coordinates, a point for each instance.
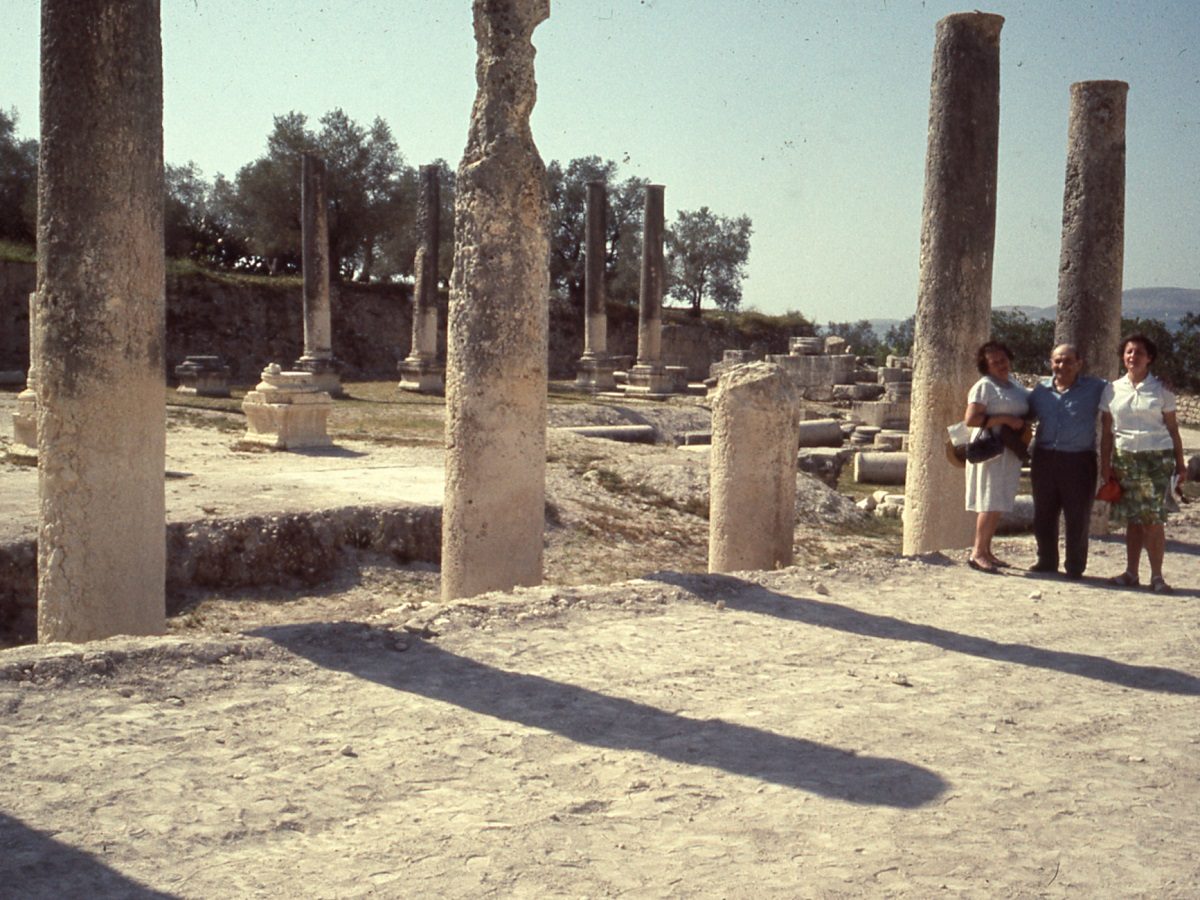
(420, 371)
(99, 352)
(25, 414)
(954, 296)
(649, 376)
(752, 469)
(496, 361)
(314, 231)
(1093, 235)
(595, 369)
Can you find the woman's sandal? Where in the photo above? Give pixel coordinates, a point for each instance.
(982, 565)
(1159, 585)
(1125, 579)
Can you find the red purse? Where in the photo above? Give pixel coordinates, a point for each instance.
(1110, 491)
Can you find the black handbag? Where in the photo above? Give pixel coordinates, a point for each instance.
(987, 446)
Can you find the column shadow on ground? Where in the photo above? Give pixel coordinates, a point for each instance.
(751, 597)
(28, 858)
(601, 720)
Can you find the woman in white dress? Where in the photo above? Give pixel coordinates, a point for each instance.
(994, 401)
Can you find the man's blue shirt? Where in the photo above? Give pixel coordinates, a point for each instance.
(1067, 420)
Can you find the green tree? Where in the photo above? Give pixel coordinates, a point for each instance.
(399, 242)
(706, 259)
(898, 341)
(567, 190)
(365, 183)
(1030, 340)
(860, 337)
(1178, 360)
(18, 182)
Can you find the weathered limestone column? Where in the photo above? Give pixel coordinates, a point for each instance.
(649, 376)
(494, 510)
(25, 414)
(314, 231)
(752, 469)
(954, 296)
(1093, 235)
(595, 369)
(99, 353)
(420, 371)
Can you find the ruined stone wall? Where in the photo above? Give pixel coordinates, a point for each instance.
(253, 323)
(1188, 410)
(17, 281)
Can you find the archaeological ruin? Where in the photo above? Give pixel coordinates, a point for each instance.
(954, 296)
(98, 342)
(496, 360)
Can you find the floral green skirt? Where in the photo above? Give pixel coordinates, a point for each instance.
(1145, 479)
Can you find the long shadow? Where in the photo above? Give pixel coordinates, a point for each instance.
(746, 595)
(600, 720)
(61, 870)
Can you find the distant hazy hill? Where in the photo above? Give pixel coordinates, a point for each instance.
(1168, 305)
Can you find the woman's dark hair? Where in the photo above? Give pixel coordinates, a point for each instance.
(990, 347)
(1139, 338)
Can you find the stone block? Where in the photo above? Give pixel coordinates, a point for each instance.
(203, 376)
(287, 411)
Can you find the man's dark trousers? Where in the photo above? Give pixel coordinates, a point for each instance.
(1062, 482)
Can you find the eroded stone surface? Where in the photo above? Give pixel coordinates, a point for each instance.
(954, 296)
(752, 469)
(1093, 237)
(497, 335)
(100, 321)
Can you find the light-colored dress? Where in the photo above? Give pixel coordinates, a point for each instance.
(992, 485)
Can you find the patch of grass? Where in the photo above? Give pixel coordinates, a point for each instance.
(189, 268)
(198, 419)
(614, 483)
(11, 251)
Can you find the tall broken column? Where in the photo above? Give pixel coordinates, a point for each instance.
(954, 296)
(420, 370)
(1093, 235)
(594, 372)
(99, 354)
(752, 469)
(649, 375)
(318, 356)
(496, 369)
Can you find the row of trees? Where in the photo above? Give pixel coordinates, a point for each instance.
(1031, 341)
(252, 222)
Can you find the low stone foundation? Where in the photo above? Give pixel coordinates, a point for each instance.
(293, 550)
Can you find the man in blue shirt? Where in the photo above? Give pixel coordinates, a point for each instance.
(1063, 470)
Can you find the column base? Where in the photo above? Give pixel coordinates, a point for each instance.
(595, 373)
(650, 380)
(25, 424)
(287, 411)
(325, 373)
(203, 376)
(421, 376)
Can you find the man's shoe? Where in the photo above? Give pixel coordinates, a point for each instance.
(1043, 568)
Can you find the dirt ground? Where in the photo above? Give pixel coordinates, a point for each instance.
(857, 725)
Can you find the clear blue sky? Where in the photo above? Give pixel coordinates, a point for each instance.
(810, 116)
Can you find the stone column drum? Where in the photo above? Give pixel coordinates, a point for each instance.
(649, 376)
(420, 370)
(25, 414)
(496, 374)
(954, 296)
(595, 369)
(318, 356)
(752, 469)
(1093, 235)
(99, 351)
